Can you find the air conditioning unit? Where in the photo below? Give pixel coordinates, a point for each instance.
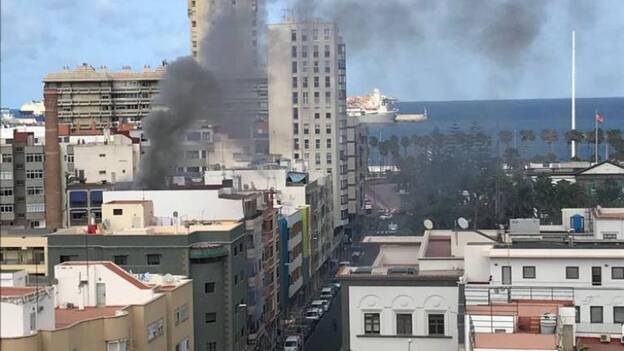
(605, 338)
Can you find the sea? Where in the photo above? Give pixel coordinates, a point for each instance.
(513, 115)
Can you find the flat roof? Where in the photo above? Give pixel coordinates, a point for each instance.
(215, 226)
(67, 316)
(561, 244)
(127, 202)
(14, 291)
(515, 341)
(439, 246)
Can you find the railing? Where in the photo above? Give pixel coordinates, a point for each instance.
(487, 294)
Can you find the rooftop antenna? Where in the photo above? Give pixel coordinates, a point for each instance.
(573, 144)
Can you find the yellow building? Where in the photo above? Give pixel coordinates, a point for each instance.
(101, 307)
(22, 251)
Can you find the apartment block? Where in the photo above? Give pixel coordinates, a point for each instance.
(209, 252)
(88, 100)
(22, 174)
(295, 249)
(24, 250)
(357, 164)
(307, 101)
(98, 305)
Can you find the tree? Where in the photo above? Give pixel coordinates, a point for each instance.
(405, 143)
(527, 136)
(616, 143)
(373, 142)
(576, 136)
(505, 137)
(550, 136)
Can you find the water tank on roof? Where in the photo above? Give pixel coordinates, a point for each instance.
(548, 322)
(577, 223)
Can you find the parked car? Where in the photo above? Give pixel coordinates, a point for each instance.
(327, 293)
(320, 304)
(313, 314)
(336, 284)
(293, 343)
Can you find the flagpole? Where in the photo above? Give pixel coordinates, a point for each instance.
(596, 130)
(573, 107)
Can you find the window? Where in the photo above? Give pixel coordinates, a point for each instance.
(327, 97)
(315, 34)
(155, 329)
(609, 236)
(328, 158)
(102, 155)
(211, 346)
(618, 314)
(617, 272)
(33, 320)
(184, 345)
(7, 158)
(404, 324)
(436, 324)
(304, 51)
(306, 144)
(67, 258)
(572, 272)
(34, 173)
(327, 67)
(6, 191)
(102, 172)
(316, 82)
(296, 143)
(295, 128)
(328, 129)
(293, 35)
(117, 211)
(294, 82)
(295, 113)
(120, 260)
(194, 24)
(595, 314)
(317, 129)
(153, 259)
(329, 143)
(293, 51)
(304, 83)
(117, 345)
(304, 66)
(315, 51)
(235, 279)
(528, 272)
(577, 314)
(211, 317)
(371, 323)
(596, 275)
(181, 314)
(317, 143)
(209, 287)
(192, 154)
(306, 129)
(315, 68)
(317, 115)
(327, 51)
(327, 81)
(328, 115)
(295, 97)
(304, 35)
(326, 33)
(305, 98)
(317, 158)
(34, 158)
(294, 67)
(317, 97)
(506, 275)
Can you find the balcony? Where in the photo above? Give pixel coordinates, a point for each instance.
(208, 252)
(487, 294)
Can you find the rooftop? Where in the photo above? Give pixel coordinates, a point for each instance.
(183, 229)
(525, 341)
(594, 344)
(578, 245)
(608, 213)
(113, 268)
(439, 246)
(86, 72)
(11, 291)
(128, 202)
(67, 316)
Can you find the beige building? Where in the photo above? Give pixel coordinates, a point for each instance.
(20, 250)
(307, 101)
(109, 310)
(124, 214)
(116, 159)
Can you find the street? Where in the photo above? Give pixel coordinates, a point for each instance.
(325, 338)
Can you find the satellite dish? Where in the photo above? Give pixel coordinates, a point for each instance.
(463, 223)
(428, 224)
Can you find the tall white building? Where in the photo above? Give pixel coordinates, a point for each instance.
(307, 100)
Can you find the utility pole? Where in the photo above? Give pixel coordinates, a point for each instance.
(573, 126)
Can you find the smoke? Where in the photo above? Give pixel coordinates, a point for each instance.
(501, 36)
(203, 90)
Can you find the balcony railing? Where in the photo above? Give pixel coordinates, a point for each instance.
(487, 294)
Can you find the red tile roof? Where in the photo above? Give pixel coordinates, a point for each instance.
(114, 268)
(515, 341)
(594, 344)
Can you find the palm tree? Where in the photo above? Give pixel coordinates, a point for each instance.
(405, 143)
(505, 137)
(576, 136)
(383, 152)
(526, 136)
(549, 136)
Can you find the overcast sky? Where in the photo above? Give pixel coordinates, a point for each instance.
(412, 49)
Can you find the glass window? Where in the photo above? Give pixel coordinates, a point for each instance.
(404, 323)
(528, 272)
(209, 287)
(294, 67)
(596, 275)
(153, 259)
(211, 346)
(293, 35)
(617, 272)
(78, 199)
(595, 314)
(572, 272)
(117, 211)
(295, 113)
(618, 314)
(294, 51)
(120, 260)
(304, 83)
(577, 314)
(96, 198)
(294, 82)
(211, 317)
(371, 323)
(436, 324)
(295, 98)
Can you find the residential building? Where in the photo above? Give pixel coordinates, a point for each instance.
(262, 243)
(116, 159)
(295, 249)
(24, 250)
(294, 189)
(22, 188)
(306, 63)
(88, 99)
(211, 252)
(587, 174)
(13, 277)
(357, 164)
(98, 305)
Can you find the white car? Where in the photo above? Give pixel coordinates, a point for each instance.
(313, 314)
(321, 304)
(327, 294)
(292, 343)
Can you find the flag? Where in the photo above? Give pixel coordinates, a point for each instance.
(599, 117)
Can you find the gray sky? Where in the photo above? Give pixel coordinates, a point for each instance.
(413, 49)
